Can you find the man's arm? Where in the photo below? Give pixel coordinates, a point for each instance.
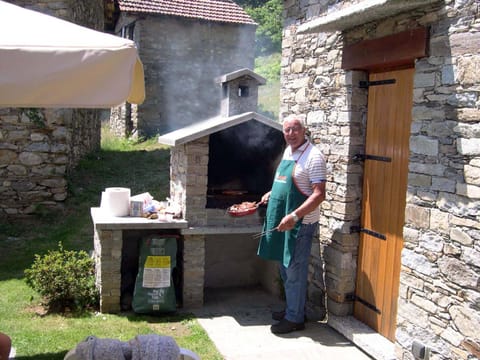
(310, 204)
(313, 201)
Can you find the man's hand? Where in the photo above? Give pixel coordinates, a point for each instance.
(287, 223)
(265, 198)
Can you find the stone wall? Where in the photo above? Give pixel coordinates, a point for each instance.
(39, 146)
(88, 13)
(439, 299)
(314, 84)
(181, 68)
(440, 282)
(188, 179)
(123, 120)
(108, 260)
(193, 270)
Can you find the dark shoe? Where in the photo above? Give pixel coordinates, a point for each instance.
(278, 315)
(285, 327)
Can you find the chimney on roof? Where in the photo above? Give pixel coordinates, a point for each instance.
(239, 92)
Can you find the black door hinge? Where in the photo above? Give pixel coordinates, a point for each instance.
(363, 157)
(366, 303)
(354, 229)
(367, 84)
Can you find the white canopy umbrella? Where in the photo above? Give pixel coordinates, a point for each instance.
(49, 62)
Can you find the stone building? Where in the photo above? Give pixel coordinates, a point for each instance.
(391, 93)
(39, 146)
(184, 46)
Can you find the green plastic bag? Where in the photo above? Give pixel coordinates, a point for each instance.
(154, 289)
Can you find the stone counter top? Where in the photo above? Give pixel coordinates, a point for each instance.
(104, 221)
(219, 230)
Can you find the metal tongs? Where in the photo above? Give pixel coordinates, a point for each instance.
(259, 235)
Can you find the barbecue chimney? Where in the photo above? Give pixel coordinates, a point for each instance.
(239, 92)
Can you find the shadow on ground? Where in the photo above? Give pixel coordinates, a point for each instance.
(238, 322)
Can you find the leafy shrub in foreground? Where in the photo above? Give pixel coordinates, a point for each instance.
(65, 279)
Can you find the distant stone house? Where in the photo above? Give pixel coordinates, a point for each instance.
(184, 46)
(38, 147)
(391, 91)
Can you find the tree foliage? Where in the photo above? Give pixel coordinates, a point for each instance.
(268, 15)
(250, 3)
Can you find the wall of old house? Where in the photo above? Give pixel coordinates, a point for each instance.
(313, 83)
(39, 146)
(37, 149)
(439, 299)
(182, 59)
(88, 13)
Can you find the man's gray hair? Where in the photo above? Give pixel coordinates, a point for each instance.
(302, 119)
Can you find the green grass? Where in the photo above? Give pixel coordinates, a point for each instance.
(269, 94)
(268, 99)
(140, 166)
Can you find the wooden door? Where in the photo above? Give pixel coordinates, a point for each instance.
(384, 196)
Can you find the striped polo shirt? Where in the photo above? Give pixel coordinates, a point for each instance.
(310, 169)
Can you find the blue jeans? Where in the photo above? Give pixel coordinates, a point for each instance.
(295, 276)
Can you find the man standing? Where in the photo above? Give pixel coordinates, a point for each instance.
(292, 218)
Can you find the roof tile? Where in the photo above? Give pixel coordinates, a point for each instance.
(212, 10)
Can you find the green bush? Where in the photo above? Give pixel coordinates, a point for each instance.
(64, 278)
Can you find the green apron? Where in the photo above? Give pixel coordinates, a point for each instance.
(285, 197)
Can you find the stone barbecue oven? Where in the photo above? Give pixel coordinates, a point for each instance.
(214, 164)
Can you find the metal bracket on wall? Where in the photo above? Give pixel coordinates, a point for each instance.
(367, 84)
(363, 157)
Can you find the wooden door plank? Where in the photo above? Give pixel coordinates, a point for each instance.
(399, 187)
(388, 208)
(385, 123)
(373, 188)
(366, 260)
(383, 206)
